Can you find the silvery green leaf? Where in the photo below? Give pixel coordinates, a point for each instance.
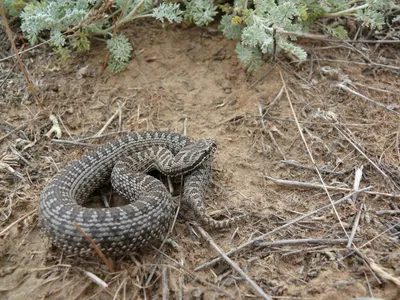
(169, 11)
(230, 31)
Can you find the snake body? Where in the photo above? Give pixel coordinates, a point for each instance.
(119, 229)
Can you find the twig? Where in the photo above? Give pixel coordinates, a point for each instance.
(165, 289)
(6, 166)
(296, 164)
(123, 284)
(261, 237)
(153, 270)
(73, 143)
(368, 284)
(117, 112)
(269, 132)
(100, 136)
(387, 212)
(345, 87)
(180, 284)
(347, 62)
(254, 285)
(8, 75)
(21, 65)
(273, 102)
(382, 273)
(375, 88)
(361, 152)
(17, 129)
(303, 241)
(372, 41)
(355, 225)
(192, 274)
(310, 73)
(17, 153)
(310, 154)
(17, 221)
(301, 34)
(370, 241)
(96, 248)
(328, 124)
(329, 187)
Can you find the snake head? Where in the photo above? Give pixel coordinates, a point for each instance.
(194, 154)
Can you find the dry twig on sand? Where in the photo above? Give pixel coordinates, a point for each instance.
(246, 277)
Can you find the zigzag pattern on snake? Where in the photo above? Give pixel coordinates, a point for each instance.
(150, 211)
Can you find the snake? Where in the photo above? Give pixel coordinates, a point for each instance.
(148, 215)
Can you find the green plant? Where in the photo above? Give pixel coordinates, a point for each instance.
(270, 25)
(262, 27)
(15, 7)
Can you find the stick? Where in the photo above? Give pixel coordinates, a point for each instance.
(73, 143)
(261, 237)
(370, 241)
(303, 241)
(117, 112)
(382, 272)
(386, 107)
(329, 187)
(195, 277)
(273, 102)
(165, 289)
(361, 152)
(17, 129)
(254, 285)
(269, 131)
(387, 212)
(355, 226)
(16, 222)
(100, 136)
(296, 164)
(96, 248)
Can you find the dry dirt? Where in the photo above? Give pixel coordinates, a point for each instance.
(189, 79)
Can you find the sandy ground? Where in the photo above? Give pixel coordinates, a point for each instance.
(190, 80)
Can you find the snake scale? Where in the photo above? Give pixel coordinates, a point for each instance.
(148, 215)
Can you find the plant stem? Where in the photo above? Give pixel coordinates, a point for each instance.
(345, 12)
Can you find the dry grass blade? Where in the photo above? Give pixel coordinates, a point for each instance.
(17, 221)
(329, 187)
(388, 108)
(361, 152)
(384, 274)
(303, 241)
(355, 226)
(246, 277)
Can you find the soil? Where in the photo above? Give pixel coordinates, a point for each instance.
(189, 80)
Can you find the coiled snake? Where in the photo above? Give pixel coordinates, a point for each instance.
(119, 229)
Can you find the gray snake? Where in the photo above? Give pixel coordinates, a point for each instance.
(148, 215)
